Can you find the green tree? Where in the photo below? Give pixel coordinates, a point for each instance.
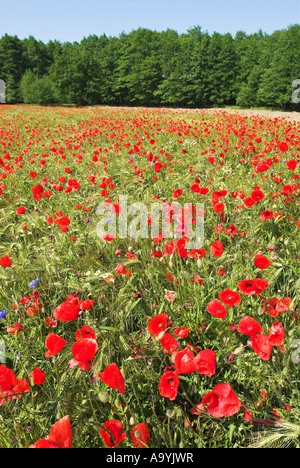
(282, 68)
(12, 66)
(36, 90)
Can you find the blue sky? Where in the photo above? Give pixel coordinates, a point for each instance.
(71, 20)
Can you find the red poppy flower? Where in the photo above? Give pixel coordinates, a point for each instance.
(265, 215)
(261, 346)
(184, 361)
(249, 202)
(32, 311)
(291, 165)
(54, 344)
(276, 334)
(109, 237)
(68, 310)
(21, 386)
(50, 322)
(219, 194)
(62, 221)
(197, 279)
(113, 434)
(217, 309)
(218, 208)
(21, 210)
(286, 190)
(249, 326)
(7, 378)
(87, 305)
(15, 329)
(38, 376)
(157, 166)
(157, 325)
(83, 351)
(232, 231)
(230, 298)
(217, 249)
(195, 188)
(262, 262)
(85, 332)
(248, 416)
(121, 269)
(253, 287)
(168, 385)
(113, 378)
(257, 195)
(222, 401)
(283, 146)
(196, 253)
(5, 261)
(205, 362)
(10, 385)
(61, 436)
(169, 343)
(140, 435)
(37, 192)
(158, 238)
(182, 332)
(275, 307)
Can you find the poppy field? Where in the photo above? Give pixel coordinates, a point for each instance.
(142, 342)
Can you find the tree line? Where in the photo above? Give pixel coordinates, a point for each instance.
(149, 68)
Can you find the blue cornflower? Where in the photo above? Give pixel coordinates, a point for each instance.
(33, 284)
(3, 313)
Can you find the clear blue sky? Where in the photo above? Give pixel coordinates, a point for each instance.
(71, 20)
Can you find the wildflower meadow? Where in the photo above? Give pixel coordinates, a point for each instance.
(116, 331)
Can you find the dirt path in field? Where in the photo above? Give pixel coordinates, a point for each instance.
(292, 116)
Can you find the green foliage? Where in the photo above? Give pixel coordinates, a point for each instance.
(150, 68)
